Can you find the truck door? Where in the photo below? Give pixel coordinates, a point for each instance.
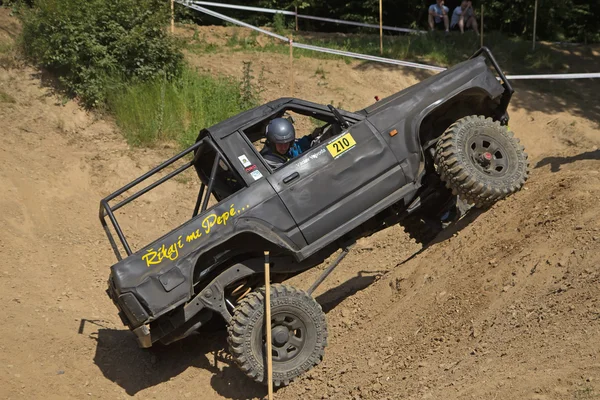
(337, 180)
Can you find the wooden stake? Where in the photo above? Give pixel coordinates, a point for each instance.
(291, 68)
(172, 16)
(534, 23)
(296, 7)
(381, 27)
(481, 25)
(268, 325)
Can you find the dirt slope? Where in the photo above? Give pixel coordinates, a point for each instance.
(507, 308)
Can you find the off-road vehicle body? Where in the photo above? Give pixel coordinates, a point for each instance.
(404, 159)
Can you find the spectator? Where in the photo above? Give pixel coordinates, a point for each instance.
(438, 13)
(464, 15)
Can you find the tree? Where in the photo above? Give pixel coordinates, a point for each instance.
(558, 20)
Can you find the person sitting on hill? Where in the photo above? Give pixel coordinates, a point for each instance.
(438, 15)
(464, 15)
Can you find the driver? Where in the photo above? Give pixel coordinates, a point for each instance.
(282, 145)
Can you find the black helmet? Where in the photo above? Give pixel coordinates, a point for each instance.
(280, 130)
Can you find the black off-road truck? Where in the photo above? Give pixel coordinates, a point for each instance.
(405, 159)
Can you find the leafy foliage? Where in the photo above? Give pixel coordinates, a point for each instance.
(248, 90)
(561, 20)
(89, 44)
(160, 110)
(119, 55)
(513, 54)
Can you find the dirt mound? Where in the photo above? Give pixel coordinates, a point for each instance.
(506, 307)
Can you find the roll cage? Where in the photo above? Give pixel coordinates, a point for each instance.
(214, 170)
(217, 175)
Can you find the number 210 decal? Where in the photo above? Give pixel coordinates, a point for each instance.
(341, 145)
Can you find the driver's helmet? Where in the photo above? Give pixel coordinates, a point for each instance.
(280, 130)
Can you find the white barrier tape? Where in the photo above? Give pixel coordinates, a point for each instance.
(556, 76)
(229, 19)
(339, 21)
(309, 47)
(374, 58)
(245, 8)
(367, 57)
(272, 11)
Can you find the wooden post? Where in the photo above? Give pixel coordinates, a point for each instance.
(381, 27)
(534, 23)
(268, 325)
(481, 25)
(296, 8)
(172, 16)
(291, 68)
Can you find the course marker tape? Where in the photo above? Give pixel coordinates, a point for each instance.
(215, 14)
(368, 57)
(591, 75)
(314, 48)
(229, 19)
(273, 11)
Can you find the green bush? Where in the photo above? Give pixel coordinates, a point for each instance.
(162, 110)
(279, 24)
(88, 44)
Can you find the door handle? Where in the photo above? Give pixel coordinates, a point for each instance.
(291, 177)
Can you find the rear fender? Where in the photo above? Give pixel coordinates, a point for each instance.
(435, 120)
(211, 299)
(250, 236)
(184, 320)
(212, 296)
(400, 116)
(162, 292)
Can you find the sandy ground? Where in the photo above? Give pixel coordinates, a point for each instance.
(506, 308)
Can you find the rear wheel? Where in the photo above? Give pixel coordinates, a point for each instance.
(481, 160)
(298, 330)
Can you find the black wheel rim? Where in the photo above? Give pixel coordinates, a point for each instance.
(488, 155)
(288, 336)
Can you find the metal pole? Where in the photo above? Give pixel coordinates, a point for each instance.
(291, 68)
(481, 25)
(268, 324)
(172, 16)
(381, 27)
(296, 9)
(534, 23)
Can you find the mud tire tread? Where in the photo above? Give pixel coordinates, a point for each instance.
(462, 178)
(242, 322)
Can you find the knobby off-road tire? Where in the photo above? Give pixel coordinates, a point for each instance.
(298, 328)
(481, 160)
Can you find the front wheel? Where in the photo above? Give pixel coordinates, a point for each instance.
(298, 334)
(481, 160)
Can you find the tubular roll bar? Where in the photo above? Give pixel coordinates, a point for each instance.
(107, 210)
